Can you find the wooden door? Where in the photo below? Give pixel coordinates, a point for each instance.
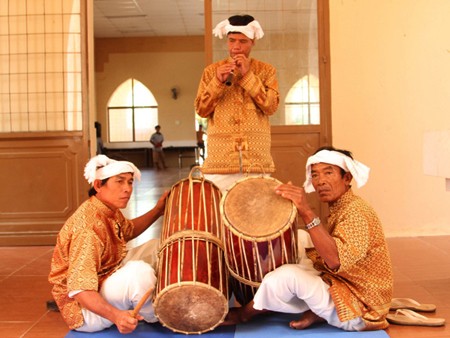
(291, 147)
(42, 186)
(44, 132)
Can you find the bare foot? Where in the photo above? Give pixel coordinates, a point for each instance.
(233, 317)
(243, 314)
(309, 318)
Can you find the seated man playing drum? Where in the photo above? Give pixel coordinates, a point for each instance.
(95, 282)
(349, 283)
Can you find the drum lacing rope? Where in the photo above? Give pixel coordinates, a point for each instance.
(191, 234)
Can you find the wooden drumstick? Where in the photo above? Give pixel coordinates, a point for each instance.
(138, 307)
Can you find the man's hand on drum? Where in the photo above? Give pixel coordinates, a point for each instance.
(161, 204)
(297, 195)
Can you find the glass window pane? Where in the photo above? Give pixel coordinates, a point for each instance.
(145, 119)
(302, 102)
(5, 123)
(32, 32)
(142, 95)
(296, 114)
(315, 114)
(134, 108)
(123, 95)
(120, 125)
(290, 44)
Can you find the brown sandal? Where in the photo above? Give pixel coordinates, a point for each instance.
(408, 317)
(411, 304)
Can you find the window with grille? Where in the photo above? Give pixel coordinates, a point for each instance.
(40, 66)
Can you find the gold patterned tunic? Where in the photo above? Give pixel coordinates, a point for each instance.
(238, 118)
(363, 284)
(89, 248)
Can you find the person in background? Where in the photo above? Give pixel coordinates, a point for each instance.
(237, 95)
(201, 141)
(98, 134)
(157, 140)
(346, 277)
(96, 280)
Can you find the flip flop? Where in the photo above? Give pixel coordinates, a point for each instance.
(408, 317)
(411, 304)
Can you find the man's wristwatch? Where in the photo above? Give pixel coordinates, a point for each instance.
(315, 222)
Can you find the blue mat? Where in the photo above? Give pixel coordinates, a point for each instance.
(269, 325)
(155, 330)
(277, 325)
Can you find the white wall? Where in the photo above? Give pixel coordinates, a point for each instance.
(390, 73)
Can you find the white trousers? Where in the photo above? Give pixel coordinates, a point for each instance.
(296, 288)
(125, 288)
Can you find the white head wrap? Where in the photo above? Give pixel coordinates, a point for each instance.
(252, 30)
(101, 167)
(359, 171)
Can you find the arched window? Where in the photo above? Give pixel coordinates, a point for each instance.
(132, 113)
(302, 102)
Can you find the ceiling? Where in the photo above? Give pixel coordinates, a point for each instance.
(127, 18)
(132, 18)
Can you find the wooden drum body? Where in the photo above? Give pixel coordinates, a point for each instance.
(192, 290)
(193, 204)
(260, 233)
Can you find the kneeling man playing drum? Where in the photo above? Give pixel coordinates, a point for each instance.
(346, 277)
(95, 281)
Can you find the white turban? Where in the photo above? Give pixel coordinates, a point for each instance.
(359, 171)
(252, 30)
(101, 167)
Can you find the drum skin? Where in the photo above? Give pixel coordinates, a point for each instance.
(259, 233)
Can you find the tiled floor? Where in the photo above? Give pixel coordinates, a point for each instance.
(421, 271)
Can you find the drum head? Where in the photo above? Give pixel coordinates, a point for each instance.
(191, 309)
(253, 209)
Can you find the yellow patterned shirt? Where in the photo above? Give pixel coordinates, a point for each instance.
(238, 118)
(89, 248)
(363, 284)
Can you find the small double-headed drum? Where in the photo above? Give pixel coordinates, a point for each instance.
(192, 290)
(260, 233)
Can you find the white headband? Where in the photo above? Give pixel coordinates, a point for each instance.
(359, 171)
(101, 167)
(252, 30)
